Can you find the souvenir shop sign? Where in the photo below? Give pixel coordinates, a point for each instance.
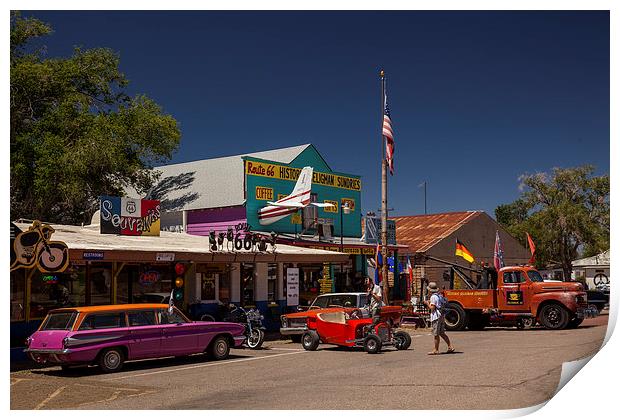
(129, 216)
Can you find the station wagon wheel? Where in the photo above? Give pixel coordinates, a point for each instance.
(111, 360)
(219, 348)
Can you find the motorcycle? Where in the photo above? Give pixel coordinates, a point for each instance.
(253, 322)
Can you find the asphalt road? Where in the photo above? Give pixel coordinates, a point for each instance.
(499, 368)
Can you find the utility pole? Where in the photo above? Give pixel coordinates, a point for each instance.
(384, 206)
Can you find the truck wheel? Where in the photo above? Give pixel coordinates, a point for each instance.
(575, 322)
(402, 340)
(372, 344)
(553, 316)
(477, 321)
(310, 340)
(456, 318)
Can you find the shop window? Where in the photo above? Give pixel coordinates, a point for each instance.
(272, 281)
(50, 291)
(150, 281)
(247, 284)
(18, 286)
(224, 285)
(208, 287)
(100, 276)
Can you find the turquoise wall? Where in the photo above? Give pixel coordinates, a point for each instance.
(309, 157)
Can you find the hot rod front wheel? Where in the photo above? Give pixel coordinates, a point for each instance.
(310, 340)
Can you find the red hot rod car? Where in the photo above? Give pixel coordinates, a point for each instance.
(346, 328)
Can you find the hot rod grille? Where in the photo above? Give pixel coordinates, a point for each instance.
(384, 333)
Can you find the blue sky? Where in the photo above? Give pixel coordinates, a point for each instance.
(477, 98)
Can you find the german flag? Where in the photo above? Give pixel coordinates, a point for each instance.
(463, 252)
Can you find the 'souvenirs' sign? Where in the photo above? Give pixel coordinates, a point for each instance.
(129, 216)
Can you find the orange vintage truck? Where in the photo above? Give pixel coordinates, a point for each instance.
(520, 296)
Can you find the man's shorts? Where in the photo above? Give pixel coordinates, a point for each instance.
(438, 326)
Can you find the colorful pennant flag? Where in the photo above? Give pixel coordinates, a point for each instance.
(462, 251)
(498, 253)
(409, 279)
(530, 242)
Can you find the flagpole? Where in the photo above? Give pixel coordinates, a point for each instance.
(384, 207)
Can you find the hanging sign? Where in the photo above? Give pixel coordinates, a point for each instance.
(292, 286)
(33, 247)
(90, 255)
(129, 216)
(164, 256)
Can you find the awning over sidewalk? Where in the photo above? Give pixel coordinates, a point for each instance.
(86, 243)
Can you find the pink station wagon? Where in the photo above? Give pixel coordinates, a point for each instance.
(109, 335)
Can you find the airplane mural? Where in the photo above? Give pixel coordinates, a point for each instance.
(298, 199)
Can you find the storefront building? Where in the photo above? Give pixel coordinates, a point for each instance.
(218, 195)
(435, 235)
(110, 269)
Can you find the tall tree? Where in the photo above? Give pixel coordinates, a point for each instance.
(75, 132)
(567, 213)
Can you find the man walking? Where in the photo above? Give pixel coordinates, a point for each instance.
(376, 301)
(437, 306)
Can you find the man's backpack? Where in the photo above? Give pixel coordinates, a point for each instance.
(442, 304)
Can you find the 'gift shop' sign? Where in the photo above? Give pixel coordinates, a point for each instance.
(129, 216)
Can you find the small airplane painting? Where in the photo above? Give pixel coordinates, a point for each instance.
(298, 199)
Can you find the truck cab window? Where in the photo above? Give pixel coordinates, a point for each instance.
(513, 277)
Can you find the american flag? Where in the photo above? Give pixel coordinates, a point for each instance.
(498, 253)
(389, 135)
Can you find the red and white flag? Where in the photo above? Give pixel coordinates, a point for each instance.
(410, 280)
(388, 133)
(530, 241)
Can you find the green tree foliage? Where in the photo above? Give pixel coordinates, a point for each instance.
(566, 212)
(75, 133)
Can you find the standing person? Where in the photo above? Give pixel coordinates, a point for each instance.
(376, 301)
(437, 307)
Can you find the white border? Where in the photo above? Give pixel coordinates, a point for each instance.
(589, 395)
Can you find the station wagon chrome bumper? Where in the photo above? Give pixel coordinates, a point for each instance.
(48, 351)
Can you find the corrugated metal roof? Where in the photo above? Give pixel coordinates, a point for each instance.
(421, 232)
(209, 183)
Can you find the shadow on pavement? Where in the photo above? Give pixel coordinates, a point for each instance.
(80, 371)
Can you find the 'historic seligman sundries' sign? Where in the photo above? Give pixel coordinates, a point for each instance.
(129, 216)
